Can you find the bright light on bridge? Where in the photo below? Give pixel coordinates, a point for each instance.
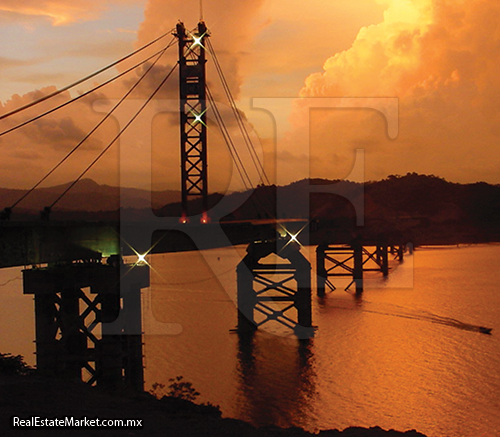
(197, 40)
(293, 237)
(141, 258)
(198, 118)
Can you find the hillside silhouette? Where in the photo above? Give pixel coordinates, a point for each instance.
(412, 205)
(86, 196)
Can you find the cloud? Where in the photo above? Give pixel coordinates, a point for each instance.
(293, 40)
(43, 143)
(440, 57)
(62, 133)
(11, 62)
(152, 80)
(60, 12)
(232, 26)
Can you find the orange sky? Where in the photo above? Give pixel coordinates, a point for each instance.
(438, 57)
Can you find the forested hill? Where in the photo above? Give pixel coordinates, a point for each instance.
(420, 203)
(407, 196)
(414, 203)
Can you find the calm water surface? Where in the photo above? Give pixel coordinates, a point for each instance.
(405, 356)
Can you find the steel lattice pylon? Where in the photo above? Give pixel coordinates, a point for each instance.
(94, 334)
(193, 107)
(273, 289)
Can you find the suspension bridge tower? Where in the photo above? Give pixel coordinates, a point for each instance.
(193, 126)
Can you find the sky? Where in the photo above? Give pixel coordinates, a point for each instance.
(312, 79)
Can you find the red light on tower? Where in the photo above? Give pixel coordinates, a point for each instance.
(204, 219)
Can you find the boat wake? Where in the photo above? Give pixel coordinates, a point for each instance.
(420, 315)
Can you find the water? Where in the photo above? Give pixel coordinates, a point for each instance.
(408, 355)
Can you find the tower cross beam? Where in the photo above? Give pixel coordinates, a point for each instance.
(193, 123)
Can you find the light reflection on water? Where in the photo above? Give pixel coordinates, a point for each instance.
(399, 358)
(406, 355)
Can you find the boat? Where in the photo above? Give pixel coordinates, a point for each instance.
(484, 330)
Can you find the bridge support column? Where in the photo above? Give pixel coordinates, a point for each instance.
(274, 290)
(383, 258)
(95, 332)
(400, 252)
(339, 261)
(46, 326)
(321, 274)
(132, 308)
(358, 267)
(246, 296)
(73, 340)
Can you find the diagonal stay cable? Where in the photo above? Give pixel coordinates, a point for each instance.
(78, 82)
(85, 94)
(235, 155)
(248, 141)
(115, 138)
(244, 132)
(229, 142)
(97, 126)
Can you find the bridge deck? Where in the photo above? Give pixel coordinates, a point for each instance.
(27, 243)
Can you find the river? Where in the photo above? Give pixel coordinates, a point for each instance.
(407, 355)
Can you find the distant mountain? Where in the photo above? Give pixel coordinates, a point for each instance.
(413, 204)
(408, 205)
(412, 195)
(88, 196)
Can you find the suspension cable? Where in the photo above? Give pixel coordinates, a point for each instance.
(240, 166)
(85, 94)
(114, 139)
(94, 129)
(78, 82)
(227, 139)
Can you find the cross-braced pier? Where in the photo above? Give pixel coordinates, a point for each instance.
(278, 291)
(351, 261)
(88, 321)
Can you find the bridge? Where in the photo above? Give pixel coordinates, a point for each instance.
(88, 301)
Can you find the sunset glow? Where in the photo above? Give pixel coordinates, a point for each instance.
(438, 58)
(293, 204)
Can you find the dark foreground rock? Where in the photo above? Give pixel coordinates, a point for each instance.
(53, 398)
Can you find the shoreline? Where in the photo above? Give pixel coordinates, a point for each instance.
(35, 395)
